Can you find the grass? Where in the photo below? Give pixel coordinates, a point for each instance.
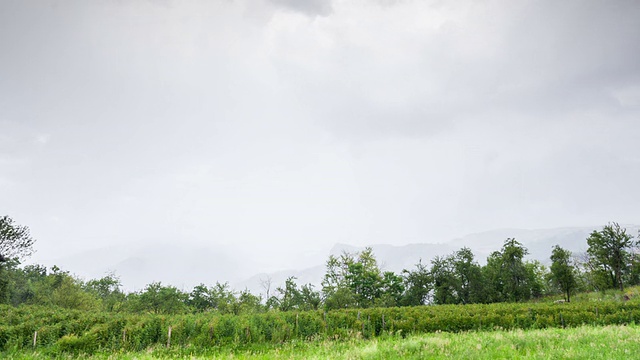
(593, 296)
(587, 342)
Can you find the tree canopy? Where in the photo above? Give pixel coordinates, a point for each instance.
(15, 240)
(610, 252)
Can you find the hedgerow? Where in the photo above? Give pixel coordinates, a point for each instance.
(76, 331)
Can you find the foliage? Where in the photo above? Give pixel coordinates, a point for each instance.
(418, 285)
(609, 252)
(509, 278)
(15, 240)
(585, 342)
(159, 299)
(89, 331)
(107, 289)
(563, 272)
(15, 243)
(357, 281)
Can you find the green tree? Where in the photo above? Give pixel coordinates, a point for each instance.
(514, 273)
(107, 289)
(444, 280)
(15, 243)
(507, 277)
(351, 281)
(536, 278)
(563, 273)
(391, 290)
(10, 281)
(159, 299)
(609, 249)
(310, 299)
(418, 284)
(26, 283)
(223, 298)
(365, 279)
(69, 293)
(15, 240)
(200, 298)
(290, 297)
(247, 303)
(336, 293)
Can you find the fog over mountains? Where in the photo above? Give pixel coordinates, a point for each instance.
(185, 265)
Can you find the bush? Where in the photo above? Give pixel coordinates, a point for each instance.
(85, 332)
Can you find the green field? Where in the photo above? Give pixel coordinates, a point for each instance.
(598, 326)
(586, 342)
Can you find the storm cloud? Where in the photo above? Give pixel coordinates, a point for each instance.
(282, 127)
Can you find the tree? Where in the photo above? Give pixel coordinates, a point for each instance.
(290, 297)
(469, 284)
(223, 298)
(159, 299)
(508, 279)
(562, 271)
(418, 284)
(514, 269)
(247, 303)
(15, 240)
(365, 279)
(200, 298)
(266, 286)
(352, 282)
(444, 280)
(69, 293)
(107, 289)
(310, 299)
(336, 294)
(609, 249)
(391, 291)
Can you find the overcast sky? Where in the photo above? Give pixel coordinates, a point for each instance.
(281, 126)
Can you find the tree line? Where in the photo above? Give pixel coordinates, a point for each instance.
(356, 280)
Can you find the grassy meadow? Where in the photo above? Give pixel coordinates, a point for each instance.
(586, 342)
(593, 326)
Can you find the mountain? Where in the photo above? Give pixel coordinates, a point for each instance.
(539, 242)
(185, 265)
(181, 265)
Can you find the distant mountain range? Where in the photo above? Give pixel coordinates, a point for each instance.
(396, 258)
(185, 265)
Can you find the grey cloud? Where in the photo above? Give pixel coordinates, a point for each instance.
(307, 7)
(547, 59)
(406, 123)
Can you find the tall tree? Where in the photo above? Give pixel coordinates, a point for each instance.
(107, 289)
(365, 279)
(418, 284)
(290, 297)
(445, 282)
(508, 277)
(392, 289)
(562, 271)
(609, 249)
(336, 293)
(469, 284)
(515, 275)
(15, 240)
(352, 281)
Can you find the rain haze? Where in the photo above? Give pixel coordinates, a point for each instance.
(260, 133)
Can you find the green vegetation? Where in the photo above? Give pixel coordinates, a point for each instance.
(587, 342)
(351, 281)
(75, 331)
(360, 312)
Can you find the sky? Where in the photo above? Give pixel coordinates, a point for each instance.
(275, 128)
